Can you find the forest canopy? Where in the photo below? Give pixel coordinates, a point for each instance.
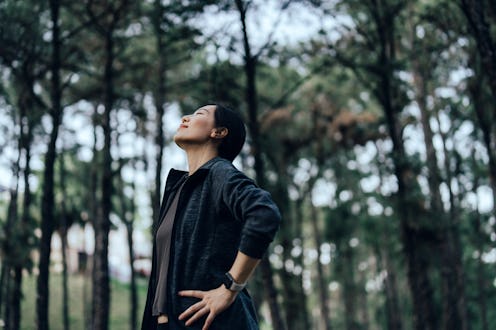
(371, 123)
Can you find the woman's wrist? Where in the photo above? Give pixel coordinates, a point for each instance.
(231, 283)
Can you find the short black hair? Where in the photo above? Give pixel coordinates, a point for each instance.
(231, 145)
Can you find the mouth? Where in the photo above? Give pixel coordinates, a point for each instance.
(183, 126)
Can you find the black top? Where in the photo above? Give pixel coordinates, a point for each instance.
(162, 244)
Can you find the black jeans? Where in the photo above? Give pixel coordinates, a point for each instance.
(162, 326)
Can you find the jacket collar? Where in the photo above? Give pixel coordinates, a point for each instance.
(177, 177)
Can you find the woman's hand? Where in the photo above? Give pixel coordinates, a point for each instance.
(212, 302)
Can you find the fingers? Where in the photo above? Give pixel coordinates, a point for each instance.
(198, 310)
(208, 321)
(192, 293)
(198, 315)
(211, 304)
(191, 310)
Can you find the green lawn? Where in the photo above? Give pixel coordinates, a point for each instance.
(119, 306)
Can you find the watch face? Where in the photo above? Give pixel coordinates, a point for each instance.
(228, 281)
(231, 285)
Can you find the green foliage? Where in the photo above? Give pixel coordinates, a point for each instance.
(21, 32)
(325, 135)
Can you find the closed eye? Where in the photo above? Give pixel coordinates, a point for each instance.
(201, 112)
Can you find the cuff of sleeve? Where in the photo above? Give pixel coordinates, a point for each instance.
(253, 246)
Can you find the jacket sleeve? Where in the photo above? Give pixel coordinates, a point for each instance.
(255, 208)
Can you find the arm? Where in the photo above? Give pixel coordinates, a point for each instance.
(215, 301)
(260, 217)
(243, 267)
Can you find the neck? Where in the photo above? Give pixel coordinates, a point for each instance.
(198, 157)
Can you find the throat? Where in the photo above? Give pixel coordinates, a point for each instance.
(199, 158)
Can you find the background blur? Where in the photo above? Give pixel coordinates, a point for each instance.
(372, 123)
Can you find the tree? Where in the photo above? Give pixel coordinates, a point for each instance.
(480, 25)
(106, 20)
(376, 24)
(23, 55)
(174, 38)
(425, 53)
(250, 65)
(47, 207)
(19, 239)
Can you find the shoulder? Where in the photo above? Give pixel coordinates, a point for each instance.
(223, 170)
(222, 165)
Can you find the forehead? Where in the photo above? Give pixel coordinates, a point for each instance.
(210, 108)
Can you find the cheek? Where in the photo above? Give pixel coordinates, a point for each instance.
(199, 129)
(204, 123)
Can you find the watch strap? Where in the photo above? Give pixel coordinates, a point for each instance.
(233, 285)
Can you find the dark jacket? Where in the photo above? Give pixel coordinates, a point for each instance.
(220, 211)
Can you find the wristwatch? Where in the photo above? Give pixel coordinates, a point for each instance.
(230, 284)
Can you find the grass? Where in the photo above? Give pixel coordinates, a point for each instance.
(119, 306)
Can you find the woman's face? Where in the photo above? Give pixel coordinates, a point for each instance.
(197, 128)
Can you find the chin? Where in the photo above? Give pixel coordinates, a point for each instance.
(178, 137)
(178, 141)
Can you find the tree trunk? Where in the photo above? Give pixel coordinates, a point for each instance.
(3, 289)
(134, 291)
(299, 261)
(47, 212)
(42, 301)
(101, 282)
(293, 301)
(453, 301)
(271, 293)
(63, 237)
(393, 311)
(293, 296)
(134, 288)
(388, 94)
(253, 126)
(22, 232)
(65, 286)
(322, 287)
(455, 314)
(349, 287)
(8, 306)
(159, 97)
(94, 215)
(481, 268)
(485, 114)
(434, 177)
(392, 305)
(9, 228)
(363, 313)
(420, 285)
(128, 222)
(15, 323)
(474, 11)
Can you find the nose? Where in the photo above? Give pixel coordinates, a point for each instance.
(184, 119)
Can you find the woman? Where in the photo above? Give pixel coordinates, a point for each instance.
(214, 226)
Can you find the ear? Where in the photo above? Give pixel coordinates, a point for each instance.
(219, 133)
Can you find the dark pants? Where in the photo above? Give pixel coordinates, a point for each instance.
(162, 326)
